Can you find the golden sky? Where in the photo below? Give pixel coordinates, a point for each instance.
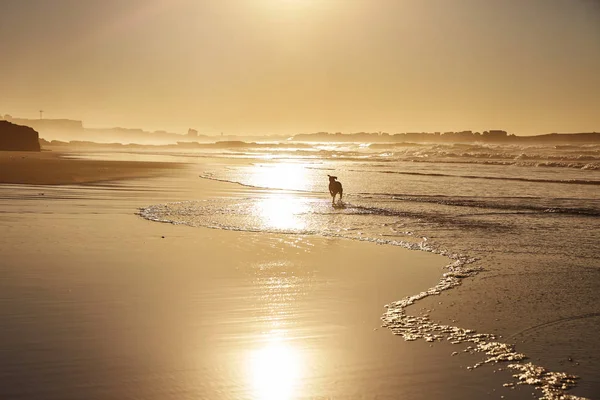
(293, 66)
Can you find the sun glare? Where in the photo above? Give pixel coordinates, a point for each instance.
(275, 371)
(281, 212)
(293, 3)
(289, 176)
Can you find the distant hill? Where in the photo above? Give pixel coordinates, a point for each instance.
(15, 137)
(67, 130)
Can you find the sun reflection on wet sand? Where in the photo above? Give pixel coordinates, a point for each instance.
(276, 366)
(281, 212)
(275, 370)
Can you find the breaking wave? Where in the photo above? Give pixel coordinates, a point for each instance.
(500, 178)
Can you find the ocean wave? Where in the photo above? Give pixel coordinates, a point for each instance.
(502, 178)
(512, 204)
(585, 157)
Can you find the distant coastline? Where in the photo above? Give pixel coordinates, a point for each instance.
(492, 136)
(64, 131)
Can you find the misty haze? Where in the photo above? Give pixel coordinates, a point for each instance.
(299, 199)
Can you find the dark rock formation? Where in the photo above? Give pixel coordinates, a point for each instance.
(18, 138)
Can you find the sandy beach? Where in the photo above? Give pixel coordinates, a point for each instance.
(99, 303)
(55, 168)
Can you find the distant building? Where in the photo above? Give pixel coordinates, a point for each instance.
(192, 133)
(495, 133)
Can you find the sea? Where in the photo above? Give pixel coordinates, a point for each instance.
(520, 226)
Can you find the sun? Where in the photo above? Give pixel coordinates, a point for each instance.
(292, 4)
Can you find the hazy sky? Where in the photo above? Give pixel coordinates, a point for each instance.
(290, 66)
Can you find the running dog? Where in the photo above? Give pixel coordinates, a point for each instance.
(335, 187)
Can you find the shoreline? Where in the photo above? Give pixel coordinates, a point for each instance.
(490, 349)
(289, 246)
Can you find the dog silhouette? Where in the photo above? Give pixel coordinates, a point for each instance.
(335, 187)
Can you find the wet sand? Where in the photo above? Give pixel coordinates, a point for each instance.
(97, 303)
(55, 168)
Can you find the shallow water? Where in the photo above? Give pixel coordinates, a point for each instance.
(529, 216)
